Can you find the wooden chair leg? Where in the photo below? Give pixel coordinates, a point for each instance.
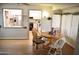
(36, 46)
(33, 44)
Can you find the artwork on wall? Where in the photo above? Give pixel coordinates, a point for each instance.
(12, 17)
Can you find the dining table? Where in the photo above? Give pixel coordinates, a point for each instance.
(51, 38)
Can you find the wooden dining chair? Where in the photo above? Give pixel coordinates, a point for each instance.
(37, 39)
(56, 48)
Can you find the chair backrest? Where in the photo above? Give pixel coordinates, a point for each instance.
(34, 34)
(60, 42)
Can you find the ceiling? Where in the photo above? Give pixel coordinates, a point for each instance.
(51, 4)
(54, 5)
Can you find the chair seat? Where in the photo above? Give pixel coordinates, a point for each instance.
(39, 41)
(56, 48)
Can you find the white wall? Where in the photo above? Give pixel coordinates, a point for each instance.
(46, 25)
(21, 33)
(14, 33)
(10, 33)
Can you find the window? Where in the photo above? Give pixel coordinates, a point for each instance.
(56, 21)
(12, 17)
(36, 14)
